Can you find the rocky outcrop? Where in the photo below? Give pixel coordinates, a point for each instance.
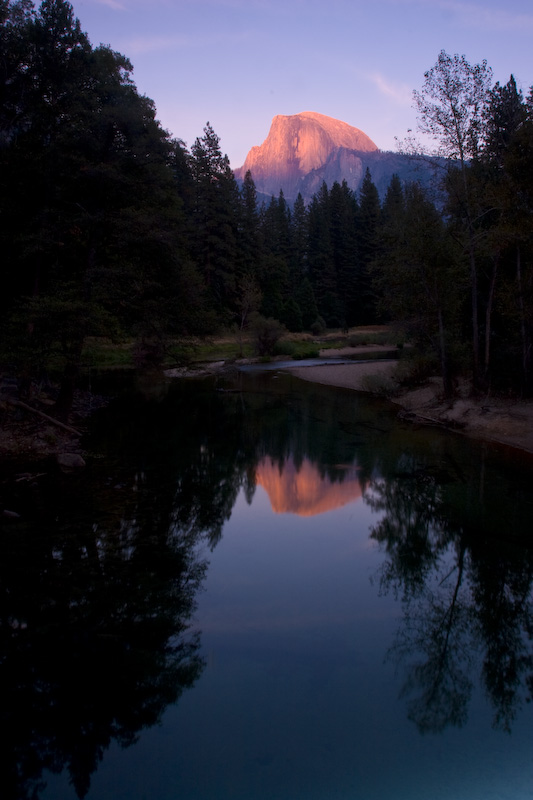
(295, 146)
(304, 150)
(69, 462)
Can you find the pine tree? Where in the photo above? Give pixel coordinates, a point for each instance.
(215, 220)
(97, 243)
(321, 262)
(298, 250)
(508, 236)
(418, 272)
(343, 211)
(274, 275)
(367, 243)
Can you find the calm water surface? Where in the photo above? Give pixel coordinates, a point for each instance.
(262, 588)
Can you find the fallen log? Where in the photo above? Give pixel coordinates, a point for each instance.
(47, 417)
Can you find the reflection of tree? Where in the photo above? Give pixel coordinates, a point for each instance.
(97, 586)
(94, 618)
(437, 628)
(97, 589)
(463, 594)
(412, 529)
(187, 452)
(503, 577)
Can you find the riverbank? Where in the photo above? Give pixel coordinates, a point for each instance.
(26, 436)
(494, 419)
(30, 433)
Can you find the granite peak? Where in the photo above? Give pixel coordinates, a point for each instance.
(304, 150)
(295, 146)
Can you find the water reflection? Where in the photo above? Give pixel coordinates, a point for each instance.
(95, 643)
(98, 581)
(303, 490)
(466, 597)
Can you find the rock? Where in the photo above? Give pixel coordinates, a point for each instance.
(69, 462)
(296, 145)
(304, 150)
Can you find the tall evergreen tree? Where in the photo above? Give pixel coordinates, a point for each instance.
(298, 250)
(417, 271)
(215, 219)
(274, 266)
(343, 210)
(320, 259)
(301, 288)
(97, 244)
(509, 233)
(368, 243)
(249, 227)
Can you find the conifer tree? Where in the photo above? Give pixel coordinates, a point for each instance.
(343, 211)
(215, 219)
(274, 279)
(420, 280)
(321, 261)
(508, 237)
(367, 241)
(97, 245)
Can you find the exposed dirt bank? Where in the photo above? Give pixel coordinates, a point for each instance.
(26, 436)
(508, 421)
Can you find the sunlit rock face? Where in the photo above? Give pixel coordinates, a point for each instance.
(298, 144)
(303, 151)
(303, 490)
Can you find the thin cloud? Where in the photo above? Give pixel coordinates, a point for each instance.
(151, 44)
(496, 19)
(475, 15)
(400, 93)
(114, 4)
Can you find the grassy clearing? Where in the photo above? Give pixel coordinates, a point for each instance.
(297, 350)
(221, 349)
(361, 337)
(105, 354)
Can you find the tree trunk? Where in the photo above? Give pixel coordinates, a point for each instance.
(473, 280)
(523, 332)
(445, 369)
(47, 417)
(488, 315)
(65, 398)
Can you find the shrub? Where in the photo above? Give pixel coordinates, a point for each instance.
(318, 327)
(284, 347)
(292, 316)
(306, 350)
(266, 333)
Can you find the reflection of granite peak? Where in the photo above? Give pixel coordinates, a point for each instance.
(303, 490)
(295, 146)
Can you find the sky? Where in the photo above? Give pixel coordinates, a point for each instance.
(238, 63)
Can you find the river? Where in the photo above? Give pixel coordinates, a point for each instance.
(264, 588)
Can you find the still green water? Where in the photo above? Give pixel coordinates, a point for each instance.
(263, 588)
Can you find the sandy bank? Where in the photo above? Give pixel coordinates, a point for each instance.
(508, 422)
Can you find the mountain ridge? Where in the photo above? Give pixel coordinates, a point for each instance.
(301, 151)
(296, 145)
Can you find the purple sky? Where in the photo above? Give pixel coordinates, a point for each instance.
(238, 63)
